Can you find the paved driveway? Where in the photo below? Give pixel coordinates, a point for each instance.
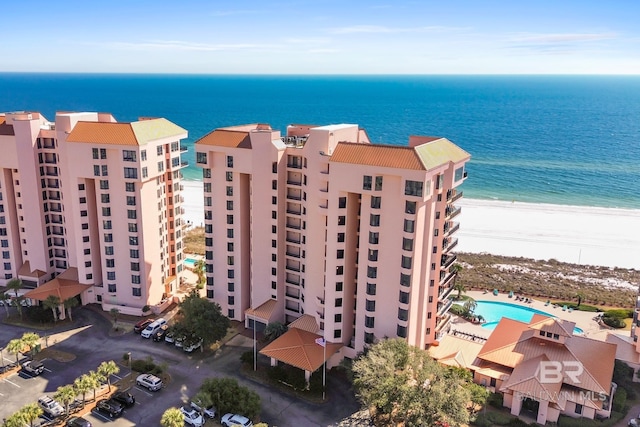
(88, 338)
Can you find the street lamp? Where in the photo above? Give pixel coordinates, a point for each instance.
(130, 362)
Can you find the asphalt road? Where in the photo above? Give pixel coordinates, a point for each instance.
(88, 338)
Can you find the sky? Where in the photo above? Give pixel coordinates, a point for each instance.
(322, 36)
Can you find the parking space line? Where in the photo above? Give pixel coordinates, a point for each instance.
(11, 382)
(114, 375)
(145, 392)
(48, 370)
(98, 414)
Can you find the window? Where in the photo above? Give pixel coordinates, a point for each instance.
(404, 297)
(96, 170)
(401, 331)
(410, 207)
(94, 152)
(342, 220)
(103, 153)
(108, 250)
(229, 205)
(378, 183)
(112, 287)
(136, 292)
(108, 237)
(274, 243)
(370, 305)
(457, 176)
(339, 286)
(406, 262)
(273, 271)
(376, 202)
(368, 338)
(413, 188)
(373, 255)
(81, 187)
(135, 279)
(128, 155)
(106, 211)
(374, 237)
(143, 155)
(229, 161)
(229, 190)
(337, 318)
(201, 158)
(135, 266)
(403, 314)
(229, 176)
(133, 240)
(369, 322)
(337, 333)
(371, 288)
(340, 254)
(83, 213)
(274, 184)
(231, 300)
(340, 237)
(104, 198)
(83, 200)
(145, 173)
(131, 200)
(230, 286)
(405, 279)
(366, 182)
(230, 274)
(104, 184)
(340, 270)
(374, 220)
(131, 173)
(131, 213)
(229, 219)
(111, 275)
(230, 232)
(407, 244)
(274, 167)
(274, 200)
(342, 202)
(372, 272)
(134, 253)
(159, 150)
(338, 302)
(409, 225)
(133, 228)
(105, 170)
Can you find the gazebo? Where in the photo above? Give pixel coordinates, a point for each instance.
(64, 286)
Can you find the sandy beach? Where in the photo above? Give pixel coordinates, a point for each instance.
(576, 234)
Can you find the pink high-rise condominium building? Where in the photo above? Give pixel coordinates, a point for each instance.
(348, 239)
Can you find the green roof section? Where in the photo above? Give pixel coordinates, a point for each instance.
(150, 130)
(439, 152)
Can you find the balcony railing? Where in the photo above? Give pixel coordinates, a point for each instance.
(183, 148)
(445, 281)
(445, 293)
(445, 307)
(294, 182)
(291, 281)
(451, 212)
(294, 165)
(294, 197)
(451, 227)
(293, 254)
(292, 212)
(294, 226)
(449, 243)
(448, 260)
(292, 268)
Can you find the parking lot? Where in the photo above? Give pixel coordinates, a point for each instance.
(89, 340)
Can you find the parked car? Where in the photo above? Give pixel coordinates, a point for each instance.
(77, 422)
(209, 411)
(160, 333)
(50, 407)
(150, 382)
(141, 325)
(179, 341)
(229, 420)
(152, 328)
(634, 422)
(191, 344)
(110, 407)
(124, 398)
(33, 367)
(169, 337)
(192, 417)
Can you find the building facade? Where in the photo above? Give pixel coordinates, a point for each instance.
(95, 202)
(322, 227)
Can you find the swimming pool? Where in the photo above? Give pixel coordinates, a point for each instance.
(190, 262)
(493, 311)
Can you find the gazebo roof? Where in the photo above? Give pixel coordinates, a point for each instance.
(300, 348)
(64, 286)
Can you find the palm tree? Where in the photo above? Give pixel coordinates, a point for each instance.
(15, 346)
(468, 308)
(274, 330)
(200, 266)
(31, 412)
(115, 312)
(14, 284)
(5, 298)
(65, 394)
(457, 268)
(31, 340)
(15, 420)
(172, 417)
(82, 385)
(17, 302)
(106, 369)
(70, 303)
(203, 399)
(580, 297)
(52, 303)
(96, 379)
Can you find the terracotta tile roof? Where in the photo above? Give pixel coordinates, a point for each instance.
(264, 311)
(561, 327)
(5, 129)
(298, 348)
(170, 279)
(390, 156)
(456, 351)
(226, 137)
(25, 270)
(625, 349)
(64, 286)
(305, 322)
(135, 133)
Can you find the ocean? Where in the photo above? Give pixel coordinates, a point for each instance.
(572, 140)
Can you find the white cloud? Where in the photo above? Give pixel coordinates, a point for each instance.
(378, 29)
(181, 46)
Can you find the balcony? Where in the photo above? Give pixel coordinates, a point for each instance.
(294, 165)
(320, 300)
(292, 267)
(293, 196)
(451, 212)
(292, 239)
(294, 212)
(443, 308)
(183, 148)
(447, 260)
(449, 243)
(294, 182)
(451, 227)
(443, 293)
(292, 305)
(184, 163)
(291, 293)
(294, 225)
(320, 314)
(446, 278)
(293, 254)
(292, 280)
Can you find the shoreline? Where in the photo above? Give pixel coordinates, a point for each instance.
(588, 235)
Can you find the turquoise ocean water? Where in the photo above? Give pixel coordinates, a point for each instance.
(545, 139)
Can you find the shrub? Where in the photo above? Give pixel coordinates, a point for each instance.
(456, 309)
(495, 400)
(620, 313)
(147, 366)
(494, 419)
(614, 322)
(315, 382)
(39, 314)
(619, 400)
(247, 358)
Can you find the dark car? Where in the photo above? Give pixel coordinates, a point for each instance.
(124, 398)
(77, 422)
(160, 333)
(110, 407)
(33, 367)
(139, 327)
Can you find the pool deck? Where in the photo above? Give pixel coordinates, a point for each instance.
(583, 319)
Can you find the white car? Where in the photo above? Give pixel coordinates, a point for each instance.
(50, 407)
(150, 382)
(229, 420)
(191, 346)
(209, 411)
(192, 417)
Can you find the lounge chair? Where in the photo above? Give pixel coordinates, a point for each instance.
(547, 303)
(564, 308)
(570, 309)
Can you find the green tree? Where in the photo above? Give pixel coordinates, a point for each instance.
(96, 380)
(199, 267)
(274, 330)
(146, 309)
(204, 400)
(580, 297)
(5, 298)
(17, 303)
(106, 369)
(115, 313)
(15, 420)
(30, 340)
(65, 394)
(203, 318)
(404, 385)
(83, 385)
(228, 396)
(15, 346)
(52, 303)
(172, 417)
(468, 308)
(15, 285)
(479, 395)
(69, 304)
(31, 412)
(459, 287)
